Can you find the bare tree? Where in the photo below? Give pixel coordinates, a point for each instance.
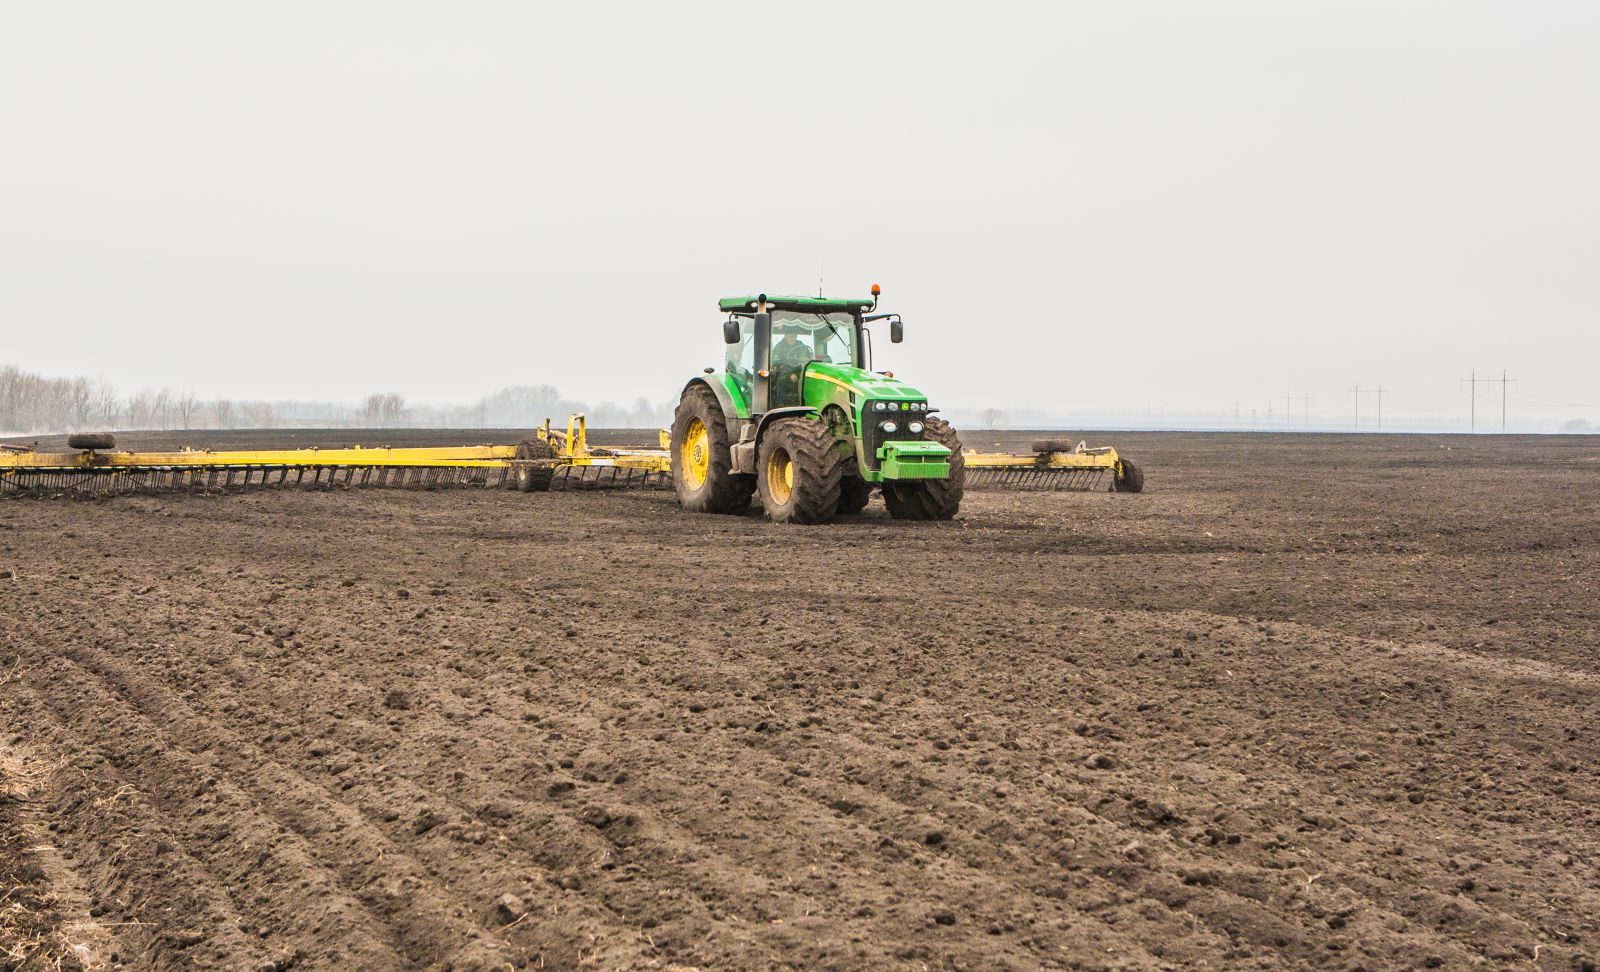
(107, 405)
(993, 418)
(259, 415)
(386, 410)
(394, 410)
(163, 409)
(142, 409)
(80, 402)
(33, 403)
(187, 406)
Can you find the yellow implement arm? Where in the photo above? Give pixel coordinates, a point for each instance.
(488, 455)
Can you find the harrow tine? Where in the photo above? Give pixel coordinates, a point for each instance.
(1034, 478)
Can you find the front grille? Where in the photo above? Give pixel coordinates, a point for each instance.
(872, 436)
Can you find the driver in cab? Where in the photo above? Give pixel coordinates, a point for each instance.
(789, 358)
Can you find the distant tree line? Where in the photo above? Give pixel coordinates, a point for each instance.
(33, 404)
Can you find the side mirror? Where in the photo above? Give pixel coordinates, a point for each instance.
(730, 330)
(897, 331)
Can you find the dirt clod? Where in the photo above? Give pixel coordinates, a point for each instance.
(508, 908)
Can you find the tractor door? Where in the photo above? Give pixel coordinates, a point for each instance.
(741, 361)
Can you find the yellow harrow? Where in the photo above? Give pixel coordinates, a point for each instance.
(1054, 464)
(549, 459)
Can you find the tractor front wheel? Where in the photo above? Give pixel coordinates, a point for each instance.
(799, 468)
(931, 499)
(854, 495)
(702, 463)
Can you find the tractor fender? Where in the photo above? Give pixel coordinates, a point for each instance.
(789, 411)
(724, 400)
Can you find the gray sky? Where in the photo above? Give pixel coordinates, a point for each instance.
(1076, 205)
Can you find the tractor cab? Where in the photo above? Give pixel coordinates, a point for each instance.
(773, 341)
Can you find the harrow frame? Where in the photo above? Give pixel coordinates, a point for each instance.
(575, 465)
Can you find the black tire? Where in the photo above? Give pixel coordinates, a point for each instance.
(933, 499)
(808, 449)
(1053, 445)
(533, 479)
(854, 495)
(92, 440)
(1129, 478)
(721, 490)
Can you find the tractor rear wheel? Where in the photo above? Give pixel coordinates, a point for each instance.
(533, 479)
(799, 468)
(702, 462)
(854, 495)
(931, 499)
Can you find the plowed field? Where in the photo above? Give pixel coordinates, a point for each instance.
(1307, 702)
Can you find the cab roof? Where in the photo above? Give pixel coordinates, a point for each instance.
(780, 302)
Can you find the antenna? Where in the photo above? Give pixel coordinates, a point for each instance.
(820, 268)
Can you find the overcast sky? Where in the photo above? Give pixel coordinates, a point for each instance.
(1076, 206)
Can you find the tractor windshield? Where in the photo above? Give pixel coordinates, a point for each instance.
(800, 337)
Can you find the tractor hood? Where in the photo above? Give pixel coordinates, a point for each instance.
(866, 384)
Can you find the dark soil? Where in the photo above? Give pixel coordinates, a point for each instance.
(1307, 702)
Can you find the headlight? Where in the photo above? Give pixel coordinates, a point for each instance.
(915, 428)
(878, 406)
(889, 427)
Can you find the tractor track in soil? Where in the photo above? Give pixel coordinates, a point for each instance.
(1309, 701)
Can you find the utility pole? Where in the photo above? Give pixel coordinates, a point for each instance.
(1504, 381)
(1472, 388)
(1358, 407)
(1287, 414)
(1379, 393)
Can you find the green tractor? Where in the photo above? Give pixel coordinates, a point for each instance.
(798, 415)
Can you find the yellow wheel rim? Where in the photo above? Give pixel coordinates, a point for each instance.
(696, 452)
(780, 476)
